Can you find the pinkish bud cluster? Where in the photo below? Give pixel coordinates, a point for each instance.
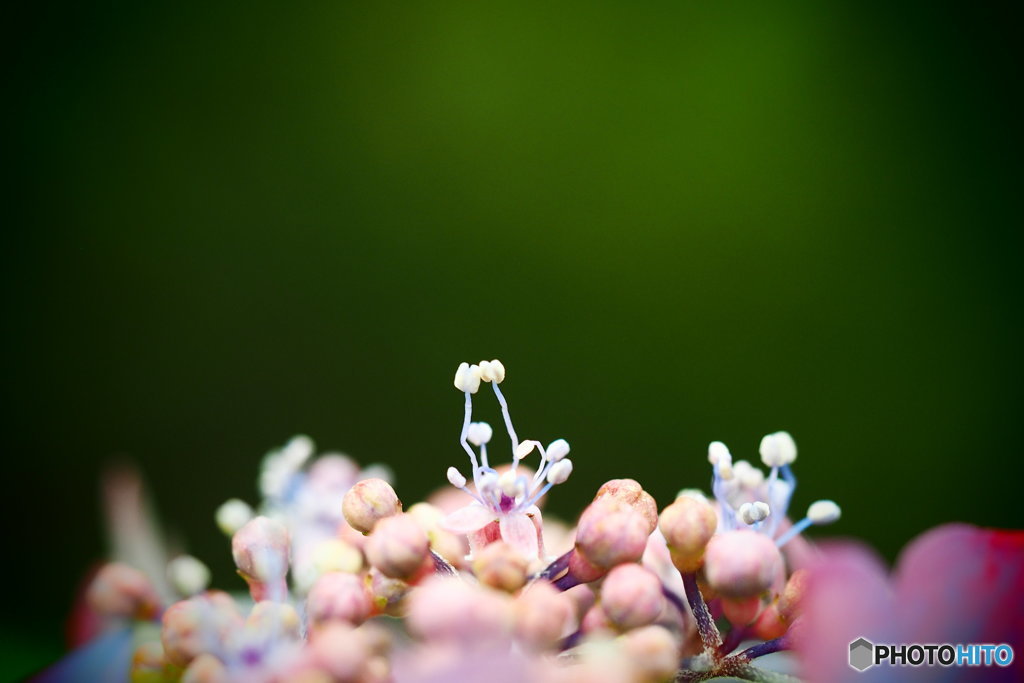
(631, 594)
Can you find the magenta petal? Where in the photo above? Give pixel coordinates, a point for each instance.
(960, 583)
(848, 596)
(518, 531)
(468, 519)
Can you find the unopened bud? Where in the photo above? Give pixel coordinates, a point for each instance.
(631, 596)
(631, 493)
(611, 532)
(653, 652)
(369, 501)
(500, 566)
(397, 547)
(543, 614)
(260, 550)
(741, 564)
(688, 524)
(205, 669)
(122, 591)
(792, 596)
(188, 575)
(337, 596)
(232, 515)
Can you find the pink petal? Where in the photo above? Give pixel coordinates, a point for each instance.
(519, 532)
(468, 519)
(959, 583)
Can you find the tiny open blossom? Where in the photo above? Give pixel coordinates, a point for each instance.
(508, 500)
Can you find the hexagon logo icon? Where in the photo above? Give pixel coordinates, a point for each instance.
(862, 654)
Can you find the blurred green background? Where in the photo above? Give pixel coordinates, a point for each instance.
(673, 222)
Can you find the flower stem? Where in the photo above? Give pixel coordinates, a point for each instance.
(554, 569)
(706, 628)
(766, 648)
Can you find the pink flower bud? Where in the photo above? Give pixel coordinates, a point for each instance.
(543, 615)
(630, 492)
(342, 651)
(450, 610)
(368, 502)
(595, 621)
(388, 594)
(769, 625)
(631, 596)
(397, 547)
(741, 611)
(260, 550)
(653, 652)
(337, 596)
(122, 591)
(688, 525)
(500, 566)
(792, 595)
(611, 532)
(741, 564)
(205, 669)
(199, 625)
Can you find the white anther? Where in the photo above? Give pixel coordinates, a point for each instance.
(488, 483)
(777, 449)
(718, 451)
(750, 477)
(297, 450)
(557, 449)
(510, 484)
(232, 515)
(467, 378)
(497, 371)
(486, 372)
(696, 494)
(479, 433)
(560, 471)
(752, 513)
(524, 449)
(188, 575)
(455, 478)
(823, 512)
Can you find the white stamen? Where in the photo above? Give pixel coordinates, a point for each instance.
(497, 371)
(717, 451)
(479, 433)
(455, 478)
(557, 449)
(777, 449)
(525, 448)
(232, 515)
(510, 484)
(488, 483)
(752, 513)
(823, 512)
(560, 471)
(188, 575)
(467, 378)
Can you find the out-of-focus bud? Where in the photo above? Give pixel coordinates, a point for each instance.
(188, 575)
(543, 615)
(350, 654)
(631, 596)
(653, 652)
(447, 610)
(368, 502)
(335, 555)
(397, 547)
(205, 669)
(500, 566)
(122, 591)
(337, 596)
(630, 492)
(388, 594)
(792, 595)
(741, 611)
(596, 622)
(446, 544)
(611, 532)
(769, 624)
(741, 564)
(198, 625)
(277, 618)
(688, 525)
(148, 662)
(260, 550)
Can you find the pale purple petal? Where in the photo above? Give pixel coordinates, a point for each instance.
(468, 519)
(519, 532)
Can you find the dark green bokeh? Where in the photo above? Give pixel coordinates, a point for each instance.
(673, 223)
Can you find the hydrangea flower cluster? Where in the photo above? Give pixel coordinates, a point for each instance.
(347, 584)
